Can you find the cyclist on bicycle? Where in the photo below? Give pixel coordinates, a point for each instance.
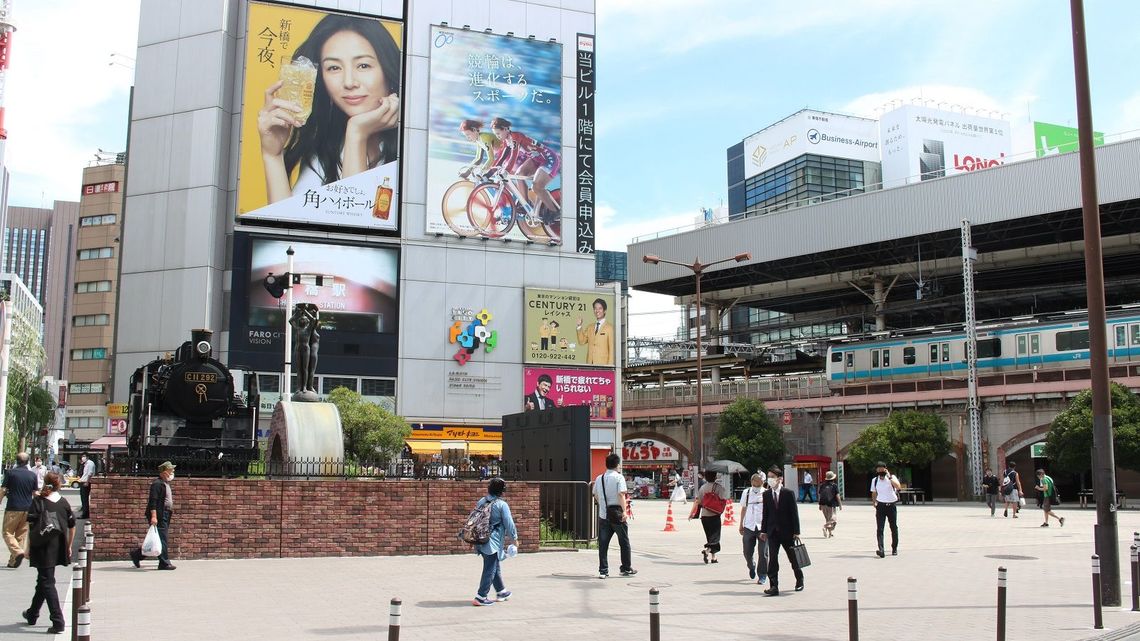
(522, 155)
(487, 146)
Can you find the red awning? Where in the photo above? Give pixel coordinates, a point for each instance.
(108, 442)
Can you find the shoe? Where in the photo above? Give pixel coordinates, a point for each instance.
(894, 552)
(881, 553)
(762, 579)
(772, 591)
(1005, 513)
(55, 630)
(713, 559)
(27, 614)
(168, 566)
(800, 585)
(602, 575)
(481, 600)
(136, 558)
(503, 596)
(19, 560)
(752, 573)
(629, 572)
(1062, 521)
(705, 555)
(1044, 525)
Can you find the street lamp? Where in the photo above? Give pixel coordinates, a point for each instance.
(698, 268)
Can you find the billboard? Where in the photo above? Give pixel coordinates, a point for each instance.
(569, 328)
(1050, 139)
(320, 127)
(494, 110)
(546, 388)
(811, 132)
(920, 143)
(355, 288)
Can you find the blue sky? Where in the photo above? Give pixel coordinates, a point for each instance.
(679, 81)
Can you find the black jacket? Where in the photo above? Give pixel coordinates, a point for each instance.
(781, 521)
(157, 499)
(533, 399)
(57, 551)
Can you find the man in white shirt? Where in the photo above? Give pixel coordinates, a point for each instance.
(885, 497)
(86, 472)
(610, 491)
(807, 488)
(751, 522)
(40, 471)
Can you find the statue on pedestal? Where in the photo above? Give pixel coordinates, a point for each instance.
(306, 344)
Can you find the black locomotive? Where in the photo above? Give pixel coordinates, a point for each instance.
(190, 408)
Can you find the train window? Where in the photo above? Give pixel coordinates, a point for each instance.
(837, 357)
(874, 358)
(945, 352)
(886, 358)
(1135, 335)
(1072, 340)
(850, 359)
(1022, 350)
(1035, 343)
(1122, 336)
(908, 356)
(934, 353)
(989, 348)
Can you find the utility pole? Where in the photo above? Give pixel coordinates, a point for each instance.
(1103, 458)
(973, 407)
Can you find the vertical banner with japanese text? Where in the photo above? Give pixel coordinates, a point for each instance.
(585, 129)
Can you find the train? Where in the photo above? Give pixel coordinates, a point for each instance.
(1055, 341)
(190, 408)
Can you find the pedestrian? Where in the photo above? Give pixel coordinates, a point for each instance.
(780, 528)
(159, 509)
(709, 503)
(49, 514)
(678, 493)
(19, 486)
(807, 488)
(990, 483)
(1011, 490)
(496, 547)
(40, 471)
(87, 470)
(751, 523)
(1048, 497)
(613, 505)
(885, 498)
(829, 503)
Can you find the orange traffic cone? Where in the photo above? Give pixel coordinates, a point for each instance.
(669, 520)
(728, 519)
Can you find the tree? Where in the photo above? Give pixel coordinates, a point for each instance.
(25, 364)
(914, 439)
(749, 436)
(371, 433)
(1069, 442)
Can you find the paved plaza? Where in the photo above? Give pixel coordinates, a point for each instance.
(941, 586)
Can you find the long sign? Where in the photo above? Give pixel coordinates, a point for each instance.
(585, 128)
(453, 433)
(648, 451)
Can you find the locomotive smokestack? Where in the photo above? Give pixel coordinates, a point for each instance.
(200, 340)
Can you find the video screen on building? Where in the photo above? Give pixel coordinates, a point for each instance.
(320, 127)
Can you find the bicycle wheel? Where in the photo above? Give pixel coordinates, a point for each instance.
(454, 208)
(491, 211)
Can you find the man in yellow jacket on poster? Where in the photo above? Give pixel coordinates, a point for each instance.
(598, 337)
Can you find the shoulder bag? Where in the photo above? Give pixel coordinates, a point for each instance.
(614, 513)
(712, 502)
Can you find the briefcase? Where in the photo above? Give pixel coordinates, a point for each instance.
(801, 554)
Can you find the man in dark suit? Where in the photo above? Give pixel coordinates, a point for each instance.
(539, 399)
(159, 508)
(780, 529)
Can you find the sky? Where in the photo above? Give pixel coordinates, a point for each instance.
(679, 81)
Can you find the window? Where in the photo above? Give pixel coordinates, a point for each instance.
(88, 422)
(92, 221)
(850, 359)
(92, 354)
(837, 357)
(886, 358)
(908, 356)
(1135, 335)
(989, 348)
(377, 387)
(945, 352)
(1021, 345)
(329, 383)
(86, 388)
(98, 252)
(1121, 336)
(1035, 343)
(269, 382)
(91, 319)
(934, 353)
(875, 358)
(1072, 340)
(93, 286)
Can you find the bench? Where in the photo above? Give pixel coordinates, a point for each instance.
(1084, 495)
(911, 495)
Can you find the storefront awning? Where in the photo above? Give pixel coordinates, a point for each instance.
(425, 447)
(108, 442)
(485, 449)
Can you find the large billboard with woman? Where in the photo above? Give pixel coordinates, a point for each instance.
(320, 130)
(494, 137)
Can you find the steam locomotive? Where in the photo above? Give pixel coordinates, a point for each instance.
(190, 408)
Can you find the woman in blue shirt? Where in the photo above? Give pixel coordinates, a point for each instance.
(494, 550)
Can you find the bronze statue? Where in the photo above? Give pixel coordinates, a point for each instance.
(306, 344)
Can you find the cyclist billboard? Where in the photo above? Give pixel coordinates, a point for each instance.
(569, 328)
(494, 137)
(320, 128)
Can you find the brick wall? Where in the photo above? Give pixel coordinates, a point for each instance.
(242, 519)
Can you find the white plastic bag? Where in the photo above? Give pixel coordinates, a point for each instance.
(1022, 501)
(152, 545)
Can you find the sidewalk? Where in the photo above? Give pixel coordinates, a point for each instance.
(942, 586)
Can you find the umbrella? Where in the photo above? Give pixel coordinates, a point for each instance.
(725, 466)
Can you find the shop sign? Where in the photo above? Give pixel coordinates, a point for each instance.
(648, 451)
(454, 433)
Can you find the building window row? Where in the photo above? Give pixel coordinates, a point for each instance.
(92, 221)
(86, 388)
(271, 384)
(98, 252)
(91, 319)
(85, 422)
(90, 354)
(93, 286)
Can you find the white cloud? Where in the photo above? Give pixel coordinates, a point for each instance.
(60, 78)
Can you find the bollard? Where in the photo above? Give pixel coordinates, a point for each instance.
(654, 615)
(1001, 605)
(853, 609)
(1098, 621)
(394, 619)
(89, 546)
(1135, 579)
(76, 597)
(82, 624)
(82, 559)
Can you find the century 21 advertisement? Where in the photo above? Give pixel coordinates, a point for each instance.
(320, 127)
(494, 167)
(569, 328)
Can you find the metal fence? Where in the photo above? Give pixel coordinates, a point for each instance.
(443, 467)
(567, 514)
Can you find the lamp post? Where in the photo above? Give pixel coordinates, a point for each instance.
(698, 268)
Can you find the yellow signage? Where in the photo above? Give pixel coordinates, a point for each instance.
(455, 434)
(116, 410)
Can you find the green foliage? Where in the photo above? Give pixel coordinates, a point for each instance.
(1070, 440)
(914, 439)
(26, 361)
(749, 436)
(371, 433)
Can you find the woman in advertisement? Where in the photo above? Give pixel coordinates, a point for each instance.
(522, 155)
(353, 126)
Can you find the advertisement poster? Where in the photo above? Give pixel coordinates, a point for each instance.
(920, 143)
(811, 132)
(320, 128)
(569, 328)
(546, 388)
(494, 111)
(1050, 139)
(647, 451)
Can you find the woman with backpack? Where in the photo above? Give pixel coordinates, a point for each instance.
(500, 526)
(709, 502)
(829, 503)
(49, 546)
